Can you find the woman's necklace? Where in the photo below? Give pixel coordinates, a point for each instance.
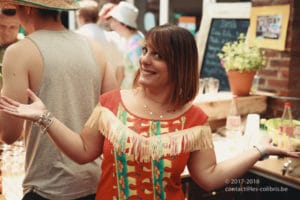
(146, 107)
(160, 114)
(150, 111)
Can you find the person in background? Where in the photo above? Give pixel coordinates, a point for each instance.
(123, 21)
(62, 67)
(87, 18)
(150, 133)
(104, 18)
(9, 31)
(114, 39)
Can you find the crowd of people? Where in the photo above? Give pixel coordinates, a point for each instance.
(63, 94)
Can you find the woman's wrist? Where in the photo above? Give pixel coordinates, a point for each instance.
(45, 120)
(262, 151)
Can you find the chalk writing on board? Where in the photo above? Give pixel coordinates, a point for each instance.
(221, 31)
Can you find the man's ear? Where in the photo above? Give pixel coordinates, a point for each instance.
(27, 10)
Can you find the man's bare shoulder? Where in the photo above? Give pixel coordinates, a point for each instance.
(24, 46)
(23, 52)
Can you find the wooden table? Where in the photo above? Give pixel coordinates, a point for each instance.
(272, 169)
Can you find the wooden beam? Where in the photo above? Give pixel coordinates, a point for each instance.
(218, 108)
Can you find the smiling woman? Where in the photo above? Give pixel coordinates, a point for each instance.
(146, 148)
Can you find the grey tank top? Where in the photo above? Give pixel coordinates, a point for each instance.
(70, 89)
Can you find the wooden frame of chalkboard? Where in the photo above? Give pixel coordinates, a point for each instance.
(219, 13)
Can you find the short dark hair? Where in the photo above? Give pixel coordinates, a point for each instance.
(177, 47)
(89, 13)
(45, 13)
(49, 13)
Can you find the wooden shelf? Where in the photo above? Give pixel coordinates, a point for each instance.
(216, 106)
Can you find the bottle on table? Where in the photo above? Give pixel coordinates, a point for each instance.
(233, 119)
(255, 84)
(286, 128)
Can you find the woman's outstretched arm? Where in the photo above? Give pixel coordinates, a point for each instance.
(210, 175)
(81, 148)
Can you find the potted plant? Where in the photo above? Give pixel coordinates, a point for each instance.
(238, 59)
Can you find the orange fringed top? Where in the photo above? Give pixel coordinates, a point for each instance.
(143, 157)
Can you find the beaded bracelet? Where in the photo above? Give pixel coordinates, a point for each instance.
(44, 121)
(263, 154)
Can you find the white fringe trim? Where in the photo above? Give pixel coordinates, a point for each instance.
(151, 148)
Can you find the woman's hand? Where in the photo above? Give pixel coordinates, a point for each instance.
(271, 150)
(26, 111)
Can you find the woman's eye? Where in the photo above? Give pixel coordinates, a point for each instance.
(156, 56)
(144, 50)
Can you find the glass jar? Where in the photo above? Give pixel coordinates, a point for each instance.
(12, 170)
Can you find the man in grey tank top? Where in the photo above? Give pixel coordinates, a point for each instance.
(68, 72)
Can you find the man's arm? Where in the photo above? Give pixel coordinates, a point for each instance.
(17, 77)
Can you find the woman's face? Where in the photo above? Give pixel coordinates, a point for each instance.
(153, 70)
(114, 24)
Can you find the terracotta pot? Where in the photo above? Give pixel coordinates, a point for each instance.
(240, 82)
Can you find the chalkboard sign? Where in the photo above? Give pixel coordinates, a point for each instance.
(221, 31)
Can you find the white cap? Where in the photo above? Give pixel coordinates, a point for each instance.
(104, 13)
(125, 13)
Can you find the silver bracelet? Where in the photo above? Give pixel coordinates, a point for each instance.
(263, 154)
(44, 121)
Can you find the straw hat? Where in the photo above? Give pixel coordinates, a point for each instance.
(88, 3)
(45, 4)
(125, 13)
(6, 4)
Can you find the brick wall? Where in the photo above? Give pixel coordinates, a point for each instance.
(282, 73)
